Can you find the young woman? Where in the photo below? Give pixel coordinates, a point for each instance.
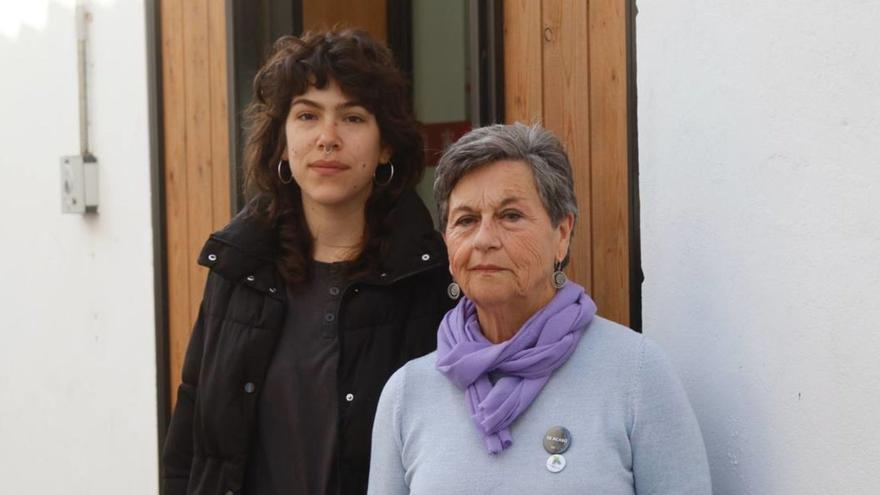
(328, 281)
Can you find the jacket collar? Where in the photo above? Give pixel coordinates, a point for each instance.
(248, 243)
(415, 246)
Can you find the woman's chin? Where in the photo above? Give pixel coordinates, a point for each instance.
(485, 295)
(331, 196)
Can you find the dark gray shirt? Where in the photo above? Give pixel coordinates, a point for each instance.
(295, 449)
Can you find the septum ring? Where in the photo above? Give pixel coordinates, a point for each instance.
(328, 150)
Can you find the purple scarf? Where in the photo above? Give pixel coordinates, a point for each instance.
(523, 364)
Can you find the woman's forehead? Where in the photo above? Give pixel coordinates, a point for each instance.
(496, 185)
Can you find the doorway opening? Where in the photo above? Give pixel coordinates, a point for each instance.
(452, 52)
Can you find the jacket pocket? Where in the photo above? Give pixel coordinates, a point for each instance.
(231, 381)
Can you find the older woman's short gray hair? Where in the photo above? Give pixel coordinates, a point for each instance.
(535, 146)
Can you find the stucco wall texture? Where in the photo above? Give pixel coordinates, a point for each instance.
(759, 148)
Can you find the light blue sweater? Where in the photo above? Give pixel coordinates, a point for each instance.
(632, 429)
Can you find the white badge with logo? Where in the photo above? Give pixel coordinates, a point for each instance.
(555, 463)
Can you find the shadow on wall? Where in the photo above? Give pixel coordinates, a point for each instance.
(734, 421)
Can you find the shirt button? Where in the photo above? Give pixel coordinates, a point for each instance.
(250, 278)
(334, 291)
(329, 317)
(212, 257)
(349, 397)
(273, 290)
(426, 257)
(249, 387)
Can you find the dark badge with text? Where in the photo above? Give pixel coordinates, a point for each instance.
(557, 440)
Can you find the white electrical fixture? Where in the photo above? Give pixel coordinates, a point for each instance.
(79, 184)
(79, 173)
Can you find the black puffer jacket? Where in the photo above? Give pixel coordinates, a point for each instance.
(386, 319)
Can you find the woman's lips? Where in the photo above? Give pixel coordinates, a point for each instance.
(324, 167)
(486, 268)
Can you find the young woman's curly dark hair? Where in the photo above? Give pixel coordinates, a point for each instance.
(365, 71)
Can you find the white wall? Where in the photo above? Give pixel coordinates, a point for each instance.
(77, 359)
(759, 137)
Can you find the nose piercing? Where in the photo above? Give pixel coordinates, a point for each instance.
(329, 148)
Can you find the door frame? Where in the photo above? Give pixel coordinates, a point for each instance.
(165, 377)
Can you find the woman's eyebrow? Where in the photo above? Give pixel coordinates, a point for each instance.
(306, 101)
(509, 201)
(351, 104)
(315, 104)
(468, 209)
(461, 209)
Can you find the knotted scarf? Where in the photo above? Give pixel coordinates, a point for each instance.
(522, 365)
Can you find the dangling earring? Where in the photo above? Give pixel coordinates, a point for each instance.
(453, 291)
(559, 278)
(281, 177)
(391, 176)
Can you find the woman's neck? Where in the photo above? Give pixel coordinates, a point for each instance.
(337, 231)
(500, 322)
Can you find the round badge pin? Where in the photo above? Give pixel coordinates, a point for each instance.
(555, 463)
(557, 440)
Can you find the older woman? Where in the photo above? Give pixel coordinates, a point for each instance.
(529, 391)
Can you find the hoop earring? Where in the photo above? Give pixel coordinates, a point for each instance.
(453, 291)
(559, 278)
(390, 177)
(281, 177)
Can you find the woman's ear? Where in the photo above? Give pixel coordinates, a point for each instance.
(386, 154)
(564, 229)
(283, 144)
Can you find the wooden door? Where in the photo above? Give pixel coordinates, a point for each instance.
(195, 136)
(365, 14)
(565, 65)
(196, 140)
